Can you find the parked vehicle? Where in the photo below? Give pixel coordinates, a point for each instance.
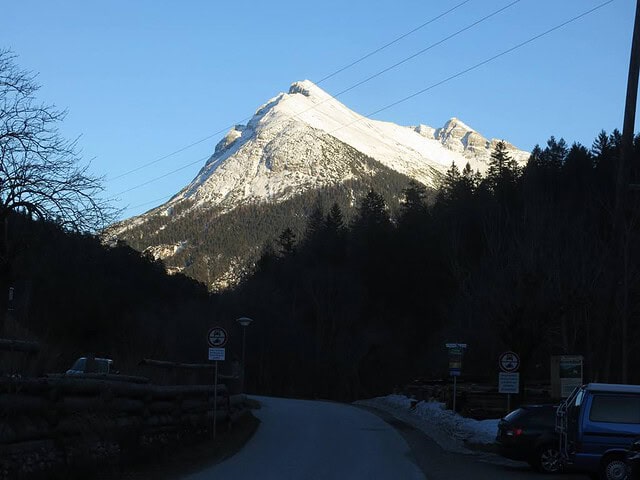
(597, 424)
(632, 459)
(93, 365)
(528, 434)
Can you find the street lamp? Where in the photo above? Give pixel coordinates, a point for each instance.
(244, 321)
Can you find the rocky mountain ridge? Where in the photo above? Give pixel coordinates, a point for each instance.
(297, 143)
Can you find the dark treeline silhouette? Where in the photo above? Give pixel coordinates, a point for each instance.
(76, 296)
(522, 258)
(216, 244)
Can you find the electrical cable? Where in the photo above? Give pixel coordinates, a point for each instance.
(396, 40)
(477, 65)
(340, 70)
(375, 75)
(430, 87)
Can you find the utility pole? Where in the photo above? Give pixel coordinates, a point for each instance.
(621, 234)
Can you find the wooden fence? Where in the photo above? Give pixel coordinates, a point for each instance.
(61, 422)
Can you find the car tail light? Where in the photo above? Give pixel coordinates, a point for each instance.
(515, 432)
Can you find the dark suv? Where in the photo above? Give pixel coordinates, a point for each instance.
(528, 434)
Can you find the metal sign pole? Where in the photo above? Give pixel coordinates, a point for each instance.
(215, 399)
(454, 394)
(508, 402)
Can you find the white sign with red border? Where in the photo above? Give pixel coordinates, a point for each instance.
(509, 362)
(217, 337)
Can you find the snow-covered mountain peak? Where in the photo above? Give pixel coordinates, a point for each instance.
(456, 123)
(308, 89)
(303, 139)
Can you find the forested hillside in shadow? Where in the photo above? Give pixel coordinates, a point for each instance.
(76, 296)
(217, 247)
(521, 259)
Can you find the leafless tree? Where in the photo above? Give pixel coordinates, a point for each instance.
(40, 171)
(41, 174)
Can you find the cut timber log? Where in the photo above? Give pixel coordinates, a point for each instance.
(185, 366)
(19, 346)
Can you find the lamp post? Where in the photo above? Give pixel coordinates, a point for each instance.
(244, 321)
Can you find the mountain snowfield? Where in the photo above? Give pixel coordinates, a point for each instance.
(298, 142)
(284, 150)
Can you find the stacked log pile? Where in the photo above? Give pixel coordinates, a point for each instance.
(65, 423)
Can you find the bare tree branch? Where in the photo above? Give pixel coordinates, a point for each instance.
(40, 171)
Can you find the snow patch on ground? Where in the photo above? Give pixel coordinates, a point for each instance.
(450, 430)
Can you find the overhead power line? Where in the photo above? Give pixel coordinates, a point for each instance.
(155, 200)
(336, 72)
(426, 49)
(368, 79)
(155, 179)
(477, 65)
(430, 87)
(175, 152)
(396, 40)
(411, 57)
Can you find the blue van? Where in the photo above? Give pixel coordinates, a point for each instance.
(597, 424)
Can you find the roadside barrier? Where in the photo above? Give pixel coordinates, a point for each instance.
(65, 422)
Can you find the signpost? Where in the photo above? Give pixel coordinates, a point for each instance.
(509, 377)
(456, 351)
(566, 374)
(217, 338)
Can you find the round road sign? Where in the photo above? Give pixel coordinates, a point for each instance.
(509, 362)
(217, 337)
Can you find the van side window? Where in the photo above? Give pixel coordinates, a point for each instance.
(615, 409)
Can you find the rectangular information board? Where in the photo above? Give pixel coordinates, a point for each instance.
(216, 353)
(508, 382)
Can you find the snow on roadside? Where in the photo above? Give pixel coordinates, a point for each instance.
(450, 430)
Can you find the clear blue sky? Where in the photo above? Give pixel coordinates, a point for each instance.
(143, 78)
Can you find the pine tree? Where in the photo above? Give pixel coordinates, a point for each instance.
(601, 145)
(286, 242)
(450, 183)
(372, 211)
(335, 235)
(503, 170)
(554, 154)
(335, 220)
(469, 180)
(414, 199)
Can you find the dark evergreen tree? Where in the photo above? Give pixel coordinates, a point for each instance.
(286, 242)
(450, 183)
(503, 170)
(335, 220)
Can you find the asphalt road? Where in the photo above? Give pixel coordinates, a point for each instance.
(437, 464)
(304, 439)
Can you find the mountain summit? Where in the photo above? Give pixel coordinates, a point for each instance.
(300, 142)
(287, 147)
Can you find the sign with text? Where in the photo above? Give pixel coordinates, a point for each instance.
(566, 374)
(508, 382)
(216, 354)
(570, 373)
(217, 337)
(509, 362)
(456, 351)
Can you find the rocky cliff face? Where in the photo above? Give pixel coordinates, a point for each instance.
(304, 141)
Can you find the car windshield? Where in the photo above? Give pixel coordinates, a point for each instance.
(100, 365)
(518, 413)
(80, 364)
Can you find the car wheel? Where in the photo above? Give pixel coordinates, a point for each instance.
(548, 459)
(614, 468)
